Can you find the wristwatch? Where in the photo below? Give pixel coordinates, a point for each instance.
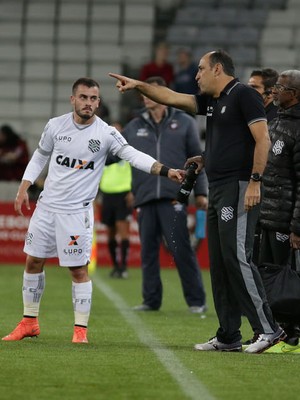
(256, 177)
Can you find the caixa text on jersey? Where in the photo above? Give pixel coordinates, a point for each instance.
(74, 163)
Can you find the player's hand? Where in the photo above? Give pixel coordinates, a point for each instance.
(198, 160)
(176, 175)
(123, 82)
(295, 241)
(21, 198)
(252, 195)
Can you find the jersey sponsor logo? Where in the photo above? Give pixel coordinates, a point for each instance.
(278, 146)
(64, 139)
(281, 237)
(210, 110)
(94, 145)
(74, 163)
(73, 251)
(74, 240)
(227, 213)
(142, 132)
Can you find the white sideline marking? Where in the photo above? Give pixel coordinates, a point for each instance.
(190, 385)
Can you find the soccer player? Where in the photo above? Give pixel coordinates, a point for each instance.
(76, 145)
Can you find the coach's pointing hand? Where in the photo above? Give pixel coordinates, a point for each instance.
(123, 82)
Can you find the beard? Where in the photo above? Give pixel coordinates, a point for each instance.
(83, 115)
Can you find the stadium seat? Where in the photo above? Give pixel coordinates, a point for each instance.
(72, 31)
(10, 30)
(38, 91)
(73, 11)
(243, 55)
(37, 51)
(278, 57)
(106, 13)
(39, 31)
(40, 11)
(244, 36)
(105, 33)
(69, 52)
(277, 37)
(38, 70)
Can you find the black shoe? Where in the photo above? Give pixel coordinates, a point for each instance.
(292, 341)
(115, 273)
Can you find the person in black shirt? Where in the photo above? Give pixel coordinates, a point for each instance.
(263, 80)
(237, 145)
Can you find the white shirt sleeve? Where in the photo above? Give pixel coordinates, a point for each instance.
(35, 166)
(136, 158)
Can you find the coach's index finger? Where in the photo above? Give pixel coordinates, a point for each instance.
(124, 83)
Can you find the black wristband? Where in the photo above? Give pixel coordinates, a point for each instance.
(164, 171)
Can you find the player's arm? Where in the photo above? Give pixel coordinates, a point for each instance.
(160, 94)
(148, 164)
(32, 172)
(259, 131)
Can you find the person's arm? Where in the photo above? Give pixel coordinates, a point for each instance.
(32, 172)
(22, 197)
(259, 131)
(148, 164)
(160, 94)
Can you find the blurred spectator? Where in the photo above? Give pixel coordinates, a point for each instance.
(160, 66)
(117, 207)
(185, 72)
(103, 112)
(14, 155)
(263, 80)
(171, 135)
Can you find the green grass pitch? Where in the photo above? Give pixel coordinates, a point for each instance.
(130, 356)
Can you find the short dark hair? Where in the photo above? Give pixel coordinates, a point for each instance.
(11, 136)
(269, 77)
(156, 79)
(222, 57)
(89, 82)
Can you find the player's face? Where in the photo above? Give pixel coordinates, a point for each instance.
(206, 76)
(85, 102)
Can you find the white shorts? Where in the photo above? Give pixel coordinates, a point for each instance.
(66, 236)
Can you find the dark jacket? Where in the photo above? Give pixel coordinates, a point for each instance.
(280, 207)
(271, 111)
(170, 142)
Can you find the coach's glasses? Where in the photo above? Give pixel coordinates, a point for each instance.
(281, 88)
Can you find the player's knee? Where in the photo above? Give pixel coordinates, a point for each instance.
(79, 274)
(34, 265)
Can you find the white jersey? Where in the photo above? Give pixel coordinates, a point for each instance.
(77, 159)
